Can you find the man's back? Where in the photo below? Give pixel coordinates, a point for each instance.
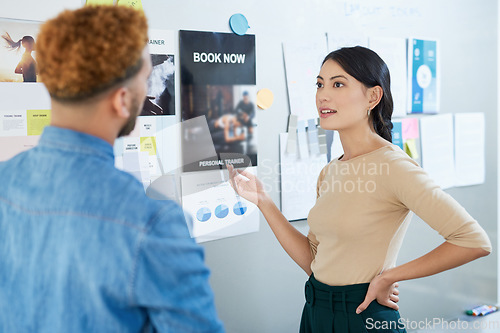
(84, 250)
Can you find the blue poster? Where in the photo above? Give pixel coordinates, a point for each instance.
(422, 74)
(397, 134)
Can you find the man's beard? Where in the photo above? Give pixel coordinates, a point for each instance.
(129, 126)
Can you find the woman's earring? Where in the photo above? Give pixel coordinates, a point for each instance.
(369, 112)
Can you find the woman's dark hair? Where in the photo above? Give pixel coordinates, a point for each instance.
(11, 44)
(368, 68)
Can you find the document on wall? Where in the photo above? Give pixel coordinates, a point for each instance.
(215, 208)
(423, 76)
(299, 178)
(437, 148)
(13, 123)
(13, 145)
(469, 149)
(393, 52)
(302, 64)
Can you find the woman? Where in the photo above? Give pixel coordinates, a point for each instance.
(363, 205)
(27, 65)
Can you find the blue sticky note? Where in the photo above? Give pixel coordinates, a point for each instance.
(239, 24)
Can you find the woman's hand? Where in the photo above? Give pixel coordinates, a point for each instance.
(382, 290)
(246, 185)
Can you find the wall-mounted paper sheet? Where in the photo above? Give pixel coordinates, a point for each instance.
(214, 206)
(393, 51)
(298, 182)
(469, 149)
(436, 134)
(302, 63)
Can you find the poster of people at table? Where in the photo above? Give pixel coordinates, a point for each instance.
(218, 83)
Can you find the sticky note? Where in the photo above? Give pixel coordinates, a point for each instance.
(265, 98)
(99, 2)
(238, 24)
(148, 144)
(410, 128)
(411, 148)
(137, 4)
(37, 120)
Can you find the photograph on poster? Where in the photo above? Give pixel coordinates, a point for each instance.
(17, 51)
(160, 100)
(218, 83)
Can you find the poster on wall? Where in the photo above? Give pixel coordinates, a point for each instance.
(17, 51)
(423, 76)
(160, 100)
(20, 130)
(216, 210)
(150, 150)
(218, 83)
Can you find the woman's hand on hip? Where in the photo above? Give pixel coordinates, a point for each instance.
(382, 290)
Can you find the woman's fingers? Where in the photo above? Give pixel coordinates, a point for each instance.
(394, 298)
(245, 173)
(391, 305)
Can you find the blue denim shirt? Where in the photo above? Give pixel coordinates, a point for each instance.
(83, 249)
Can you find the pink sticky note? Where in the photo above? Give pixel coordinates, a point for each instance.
(410, 128)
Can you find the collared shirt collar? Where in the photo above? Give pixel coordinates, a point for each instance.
(69, 140)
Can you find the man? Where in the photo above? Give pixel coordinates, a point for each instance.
(245, 111)
(83, 249)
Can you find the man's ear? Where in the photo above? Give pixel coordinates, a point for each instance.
(376, 93)
(120, 101)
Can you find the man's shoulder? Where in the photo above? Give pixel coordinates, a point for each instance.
(135, 201)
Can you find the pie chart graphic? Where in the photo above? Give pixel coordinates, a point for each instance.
(240, 208)
(203, 214)
(221, 211)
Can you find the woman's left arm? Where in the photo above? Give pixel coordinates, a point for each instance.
(412, 189)
(444, 257)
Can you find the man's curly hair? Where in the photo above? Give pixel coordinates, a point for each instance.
(83, 52)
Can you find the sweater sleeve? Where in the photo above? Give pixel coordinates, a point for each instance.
(415, 190)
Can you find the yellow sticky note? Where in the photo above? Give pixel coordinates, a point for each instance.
(411, 148)
(148, 144)
(137, 4)
(37, 120)
(265, 98)
(100, 2)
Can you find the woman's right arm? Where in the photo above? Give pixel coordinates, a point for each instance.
(293, 242)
